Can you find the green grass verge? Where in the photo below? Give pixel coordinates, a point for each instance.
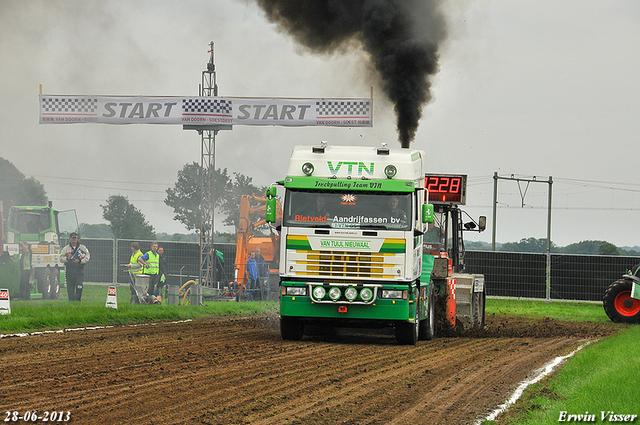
(599, 379)
(566, 311)
(39, 315)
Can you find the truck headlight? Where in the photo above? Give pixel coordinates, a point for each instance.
(319, 292)
(395, 294)
(297, 291)
(351, 293)
(390, 171)
(334, 293)
(307, 168)
(366, 294)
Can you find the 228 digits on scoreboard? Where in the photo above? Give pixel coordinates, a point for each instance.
(446, 188)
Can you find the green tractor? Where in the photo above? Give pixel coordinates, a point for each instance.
(45, 230)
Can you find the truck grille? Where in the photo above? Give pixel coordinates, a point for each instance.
(345, 264)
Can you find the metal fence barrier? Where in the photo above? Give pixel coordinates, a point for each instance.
(507, 274)
(523, 275)
(100, 267)
(109, 256)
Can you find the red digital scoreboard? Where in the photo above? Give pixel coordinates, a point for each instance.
(446, 188)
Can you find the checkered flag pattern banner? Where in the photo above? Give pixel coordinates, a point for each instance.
(343, 108)
(203, 105)
(195, 111)
(70, 105)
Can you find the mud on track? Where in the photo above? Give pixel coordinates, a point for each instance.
(239, 371)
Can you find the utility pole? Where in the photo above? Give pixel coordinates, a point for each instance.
(522, 196)
(208, 88)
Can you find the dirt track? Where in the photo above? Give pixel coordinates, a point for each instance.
(239, 371)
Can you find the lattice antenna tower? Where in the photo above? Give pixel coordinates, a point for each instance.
(208, 88)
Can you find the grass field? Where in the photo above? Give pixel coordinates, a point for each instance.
(569, 311)
(599, 379)
(39, 315)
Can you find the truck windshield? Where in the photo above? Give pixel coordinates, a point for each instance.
(354, 210)
(30, 221)
(437, 231)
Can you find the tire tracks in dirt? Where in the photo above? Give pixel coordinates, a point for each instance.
(239, 371)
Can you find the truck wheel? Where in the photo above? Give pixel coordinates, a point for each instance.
(407, 332)
(44, 282)
(428, 325)
(291, 328)
(619, 305)
(55, 284)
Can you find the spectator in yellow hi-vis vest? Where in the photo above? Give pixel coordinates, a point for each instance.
(136, 264)
(152, 258)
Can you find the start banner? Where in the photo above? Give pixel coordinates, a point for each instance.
(206, 111)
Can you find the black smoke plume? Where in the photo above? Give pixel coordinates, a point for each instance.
(401, 37)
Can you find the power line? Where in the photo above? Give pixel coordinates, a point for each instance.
(599, 182)
(102, 180)
(553, 208)
(122, 189)
(102, 200)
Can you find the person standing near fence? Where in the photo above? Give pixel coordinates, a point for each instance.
(25, 271)
(263, 268)
(218, 265)
(162, 272)
(74, 256)
(136, 263)
(252, 270)
(152, 268)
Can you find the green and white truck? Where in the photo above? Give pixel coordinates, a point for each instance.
(44, 229)
(352, 250)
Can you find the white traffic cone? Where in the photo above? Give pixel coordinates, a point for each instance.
(5, 305)
(112, 298)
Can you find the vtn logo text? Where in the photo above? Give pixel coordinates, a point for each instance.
(362, 167)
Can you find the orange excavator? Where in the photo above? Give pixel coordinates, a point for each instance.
(252, 216)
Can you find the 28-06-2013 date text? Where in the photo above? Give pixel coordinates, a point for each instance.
(35, 416)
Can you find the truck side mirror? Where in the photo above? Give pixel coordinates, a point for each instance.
(482, 223)
(427, 213)
(270, 208)
(271, 192)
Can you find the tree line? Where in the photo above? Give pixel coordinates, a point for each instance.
(533, 245)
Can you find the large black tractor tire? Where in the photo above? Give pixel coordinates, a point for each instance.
(619, 305)
(428, 325)
(44, 282)
(407, 333)
(291, 328)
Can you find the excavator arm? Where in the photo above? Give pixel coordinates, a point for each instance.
(252, 216)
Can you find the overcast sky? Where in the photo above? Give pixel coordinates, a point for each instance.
(529, 88)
